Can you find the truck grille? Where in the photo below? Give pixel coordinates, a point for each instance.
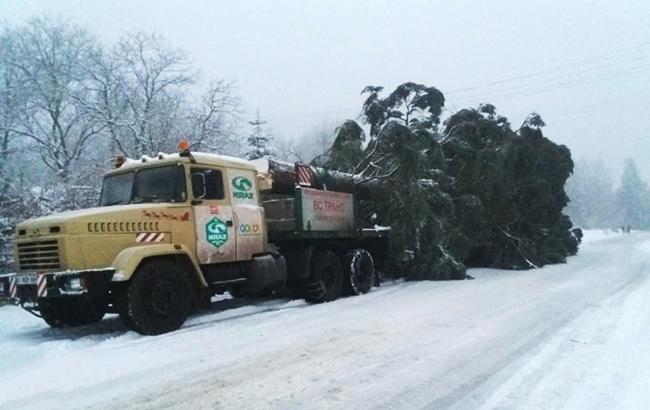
(39, 255)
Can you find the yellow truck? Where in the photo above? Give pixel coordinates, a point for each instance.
(173, 230)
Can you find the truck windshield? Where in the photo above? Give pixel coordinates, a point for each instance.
(158, 184)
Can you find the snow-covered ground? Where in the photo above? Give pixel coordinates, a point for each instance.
(566, 336)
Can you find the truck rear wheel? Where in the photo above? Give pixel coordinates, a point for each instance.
(159, 298)
(326, 279)
(359, 272)
(71, 312)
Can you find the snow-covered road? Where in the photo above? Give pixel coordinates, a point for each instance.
(566, 336)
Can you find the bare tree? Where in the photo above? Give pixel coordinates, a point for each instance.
(47, 58)
(12, 106)
(214, 121)
(139, 92)
(102, 102)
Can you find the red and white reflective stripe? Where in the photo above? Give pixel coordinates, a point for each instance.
(304, 174)
(41, 286)
(13, 289)
(150, 237)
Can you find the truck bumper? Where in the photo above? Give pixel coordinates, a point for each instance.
(28, 288)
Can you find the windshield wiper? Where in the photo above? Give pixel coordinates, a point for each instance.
(117, 202)
(152, 198)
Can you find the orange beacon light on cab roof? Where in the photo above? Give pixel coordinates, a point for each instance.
(183, 145)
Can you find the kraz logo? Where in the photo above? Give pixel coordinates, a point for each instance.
(216, 232)
(242, 187)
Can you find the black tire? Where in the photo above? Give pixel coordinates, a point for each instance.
(326, 280)
(71, 312)
(159, 298)
(359, 272)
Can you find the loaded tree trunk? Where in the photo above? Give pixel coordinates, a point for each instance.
(282, 178)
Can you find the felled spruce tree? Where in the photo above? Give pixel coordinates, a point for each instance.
(517, 180)
(470, 192)
(404, 154)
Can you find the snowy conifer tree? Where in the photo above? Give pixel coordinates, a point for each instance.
(632, 198)
(259, 140)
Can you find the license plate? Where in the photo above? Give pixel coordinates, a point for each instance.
(26, 279)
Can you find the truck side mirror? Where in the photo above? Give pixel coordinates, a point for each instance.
(198, 185)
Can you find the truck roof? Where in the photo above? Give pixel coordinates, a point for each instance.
(201, 158)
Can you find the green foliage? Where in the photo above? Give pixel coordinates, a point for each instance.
(475, 193)
(534, 120)
(415, 105)
(346, 151)
(518, 179)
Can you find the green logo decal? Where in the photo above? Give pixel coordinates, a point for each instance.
(216, 232)
(242, 185)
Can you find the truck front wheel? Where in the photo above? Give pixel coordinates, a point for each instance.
(326, 279)
(159, 298)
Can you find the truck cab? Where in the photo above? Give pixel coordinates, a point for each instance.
(171, 231)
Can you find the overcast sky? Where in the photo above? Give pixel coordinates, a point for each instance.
(583, 65)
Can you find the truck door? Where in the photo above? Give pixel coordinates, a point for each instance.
(216, 240)
(249, 217)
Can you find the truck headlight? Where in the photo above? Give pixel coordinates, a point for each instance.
(75, 284)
